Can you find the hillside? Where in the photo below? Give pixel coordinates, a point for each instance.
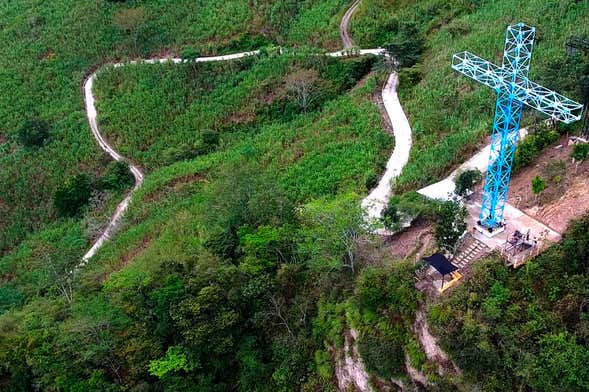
(243, 261)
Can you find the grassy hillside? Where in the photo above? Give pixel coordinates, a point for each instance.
(50, 46)
(449, 114)
(237, 266)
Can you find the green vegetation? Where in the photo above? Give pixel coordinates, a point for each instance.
(231, 247)
(451, 225)
(449, 114)
(538, 186)
(580, 151)
(466, 181)
(406, 208)
(118, 177)
(33, 133)
(526, 329)
(533, 144)
(73, 195)
(50, 47)
(243, 262)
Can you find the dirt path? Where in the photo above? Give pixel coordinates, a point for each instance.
(92, 114)
(343, 27)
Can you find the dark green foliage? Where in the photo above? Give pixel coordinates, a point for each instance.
(538, 185)
(118, 177)
(466, 180)
(189, 54)
(580, 151)
(406, 45)
(251, 301)
(371, 180)
(524, 329)
(529, 148)
(576, 247)
(387, 301)
(569, 75)
(406, 208)
(391, 289)
(210, 140)
(451, 225)
(73, 196)
(382, 355)
(33, 133)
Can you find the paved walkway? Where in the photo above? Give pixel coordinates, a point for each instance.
(376, 202)
(92, 114)
(444, 189)
(514, 218)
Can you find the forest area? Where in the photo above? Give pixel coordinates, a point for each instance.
(244, 261)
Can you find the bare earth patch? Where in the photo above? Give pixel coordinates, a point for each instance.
(565, 197)
(413, 242)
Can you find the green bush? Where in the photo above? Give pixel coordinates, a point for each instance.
(407, 207)
(406, 45)
(118, 177)
(382, 355)
(466, 180)
(33, 133)
(371, 180)
(451, 225)
(580, 151)
(188, 54)
(70, 199)
(533, 144)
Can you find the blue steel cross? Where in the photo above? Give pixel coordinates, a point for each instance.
(514, 89)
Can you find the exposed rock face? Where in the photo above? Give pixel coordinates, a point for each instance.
(349, 367)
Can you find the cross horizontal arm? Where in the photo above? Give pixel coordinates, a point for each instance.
(547, 101)
(524, 90)
(478, 69)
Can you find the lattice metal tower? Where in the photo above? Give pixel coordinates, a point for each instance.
(514, 89)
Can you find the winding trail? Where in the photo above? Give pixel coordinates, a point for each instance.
(343, 27)
(92, 114)
(374, 203)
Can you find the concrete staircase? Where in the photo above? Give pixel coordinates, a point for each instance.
(470, 250)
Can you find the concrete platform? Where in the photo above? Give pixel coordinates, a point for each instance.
(515, 219)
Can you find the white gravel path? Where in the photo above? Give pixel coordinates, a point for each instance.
(376, 202)
(92, 114)
(444, 189)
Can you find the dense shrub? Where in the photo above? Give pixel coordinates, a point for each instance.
(466, 180)
(382, 355)
(406, 46)
(529, 148)
(118, 177)
(33, 133)
(522, 329)
(70, 199)
(406, 208)
(451, 225)
(580, 151)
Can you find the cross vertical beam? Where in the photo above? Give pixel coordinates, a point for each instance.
(519, 42)
(514, 90)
